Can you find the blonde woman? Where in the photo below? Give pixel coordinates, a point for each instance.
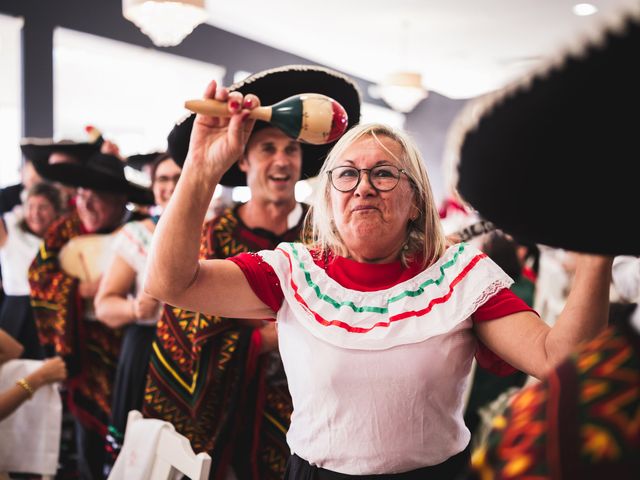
(378, 321)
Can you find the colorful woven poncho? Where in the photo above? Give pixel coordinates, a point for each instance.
(89, 348)
(583, 421)
(206, 377)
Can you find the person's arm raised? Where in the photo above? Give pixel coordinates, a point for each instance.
(174, 273)
(529, 344)
(586, 312)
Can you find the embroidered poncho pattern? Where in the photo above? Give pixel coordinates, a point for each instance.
(206, 379)
(90, 348)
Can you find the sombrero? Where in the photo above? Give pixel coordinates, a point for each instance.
(39, 149)
(139, 160)
(103, 173)
(271, 86)
(552, 158)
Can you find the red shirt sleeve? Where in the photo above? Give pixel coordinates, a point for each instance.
(503, 303)
(263, 280)
(266, 285)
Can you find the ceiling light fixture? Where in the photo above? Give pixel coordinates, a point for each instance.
(584, 9)
(166, 22)
(402, 91)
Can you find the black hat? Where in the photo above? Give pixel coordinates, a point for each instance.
(552, 159)
(38, 150)
(104, 173)
(271, 86)
(138, 161)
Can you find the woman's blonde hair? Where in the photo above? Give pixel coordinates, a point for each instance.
(425, 237)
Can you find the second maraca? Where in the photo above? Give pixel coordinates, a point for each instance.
(308, 117)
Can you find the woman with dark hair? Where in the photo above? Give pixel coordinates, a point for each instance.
(21, 232)
(120, 302)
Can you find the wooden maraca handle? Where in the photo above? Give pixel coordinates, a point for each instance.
(308, 117)
(216, 108)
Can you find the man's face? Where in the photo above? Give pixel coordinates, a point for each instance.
(100, 210)
(272, 163)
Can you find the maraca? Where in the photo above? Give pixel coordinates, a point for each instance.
(308, 117)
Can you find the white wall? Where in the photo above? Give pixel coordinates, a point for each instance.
(134, 95)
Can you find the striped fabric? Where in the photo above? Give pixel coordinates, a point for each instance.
(383, 319)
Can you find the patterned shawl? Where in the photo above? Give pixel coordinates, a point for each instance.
(89, 348)
(206, 377)
(582, 421)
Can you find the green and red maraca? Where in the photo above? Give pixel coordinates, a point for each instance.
(307, 117)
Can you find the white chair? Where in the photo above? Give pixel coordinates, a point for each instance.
(155, 451)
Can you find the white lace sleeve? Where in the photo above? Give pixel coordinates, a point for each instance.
(132, 244)
(626, 277)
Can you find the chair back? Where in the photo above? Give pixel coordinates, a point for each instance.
(172, 453)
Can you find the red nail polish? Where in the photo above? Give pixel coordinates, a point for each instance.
(234, 105)
(247, 103)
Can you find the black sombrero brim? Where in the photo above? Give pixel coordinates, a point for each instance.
(552, 159)
(140, 160)
(39, 150)
(82, 175)
(270, 87)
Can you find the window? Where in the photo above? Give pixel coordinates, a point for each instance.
(134, 95)
(10, 100)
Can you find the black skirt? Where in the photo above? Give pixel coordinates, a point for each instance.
(131, 374)
(128, 387)
(455, 468)
(16, 318)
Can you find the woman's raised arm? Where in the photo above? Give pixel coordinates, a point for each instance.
(529, 344)
(174, 273)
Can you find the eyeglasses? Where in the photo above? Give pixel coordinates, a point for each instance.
(383, 177)
(167, 179)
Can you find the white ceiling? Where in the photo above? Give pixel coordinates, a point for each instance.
(462, 48)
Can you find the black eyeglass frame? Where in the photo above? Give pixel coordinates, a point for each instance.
(368, 171)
